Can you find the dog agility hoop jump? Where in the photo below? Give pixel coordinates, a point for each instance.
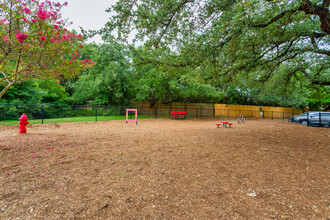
(136, 117)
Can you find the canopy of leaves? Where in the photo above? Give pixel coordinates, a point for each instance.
(232, 39)
(110, 81)
(155, 85)
(36, 91)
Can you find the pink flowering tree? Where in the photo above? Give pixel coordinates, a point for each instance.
(34, 43)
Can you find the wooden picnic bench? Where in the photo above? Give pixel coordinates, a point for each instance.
(177, 114)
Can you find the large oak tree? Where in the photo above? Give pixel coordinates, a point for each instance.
(231, 39)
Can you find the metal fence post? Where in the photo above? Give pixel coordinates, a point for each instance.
(319, 118)
(95, 113)
(42, 114)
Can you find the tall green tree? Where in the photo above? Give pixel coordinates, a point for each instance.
(251, 39)
(156, 84)
(110, 81)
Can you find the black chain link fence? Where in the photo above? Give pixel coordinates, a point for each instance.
(11, 112)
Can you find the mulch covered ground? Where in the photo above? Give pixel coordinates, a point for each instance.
(165, 169)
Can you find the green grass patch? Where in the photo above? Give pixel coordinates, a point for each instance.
(72, 119)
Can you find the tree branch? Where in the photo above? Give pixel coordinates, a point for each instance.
(273, 19)
(6, 88)
(322, 11)
(5, 77)
(170, 21)
(319, 51)
(325, 3)
(314, 82)
(13, 75)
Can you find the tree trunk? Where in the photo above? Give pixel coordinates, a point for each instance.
(322, 11)
(6, 88)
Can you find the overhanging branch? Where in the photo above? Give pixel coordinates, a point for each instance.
(277, 17)
(314, 82)
(322, 11)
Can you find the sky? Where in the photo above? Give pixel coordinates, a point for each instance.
(89, 14)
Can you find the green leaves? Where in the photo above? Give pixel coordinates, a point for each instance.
(109, 82)
(234, 38)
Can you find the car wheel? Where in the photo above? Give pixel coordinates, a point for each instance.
(304, 122)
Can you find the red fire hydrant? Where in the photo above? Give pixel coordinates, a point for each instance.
(23, 121)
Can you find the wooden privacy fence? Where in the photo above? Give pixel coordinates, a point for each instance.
(202, 110)
(195, 110)
(252, 111)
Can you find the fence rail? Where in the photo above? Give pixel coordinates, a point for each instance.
(11, 111)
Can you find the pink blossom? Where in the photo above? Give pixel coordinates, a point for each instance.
(70, 62)
(27, 11)
(24, 19)
(56, 26)
(43, 15)
(42, 38)
(6, 39)
(65, 4)
(52, 40)
(21, 37)
(34, 20)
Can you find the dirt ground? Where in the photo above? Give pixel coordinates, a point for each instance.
(165, 169)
